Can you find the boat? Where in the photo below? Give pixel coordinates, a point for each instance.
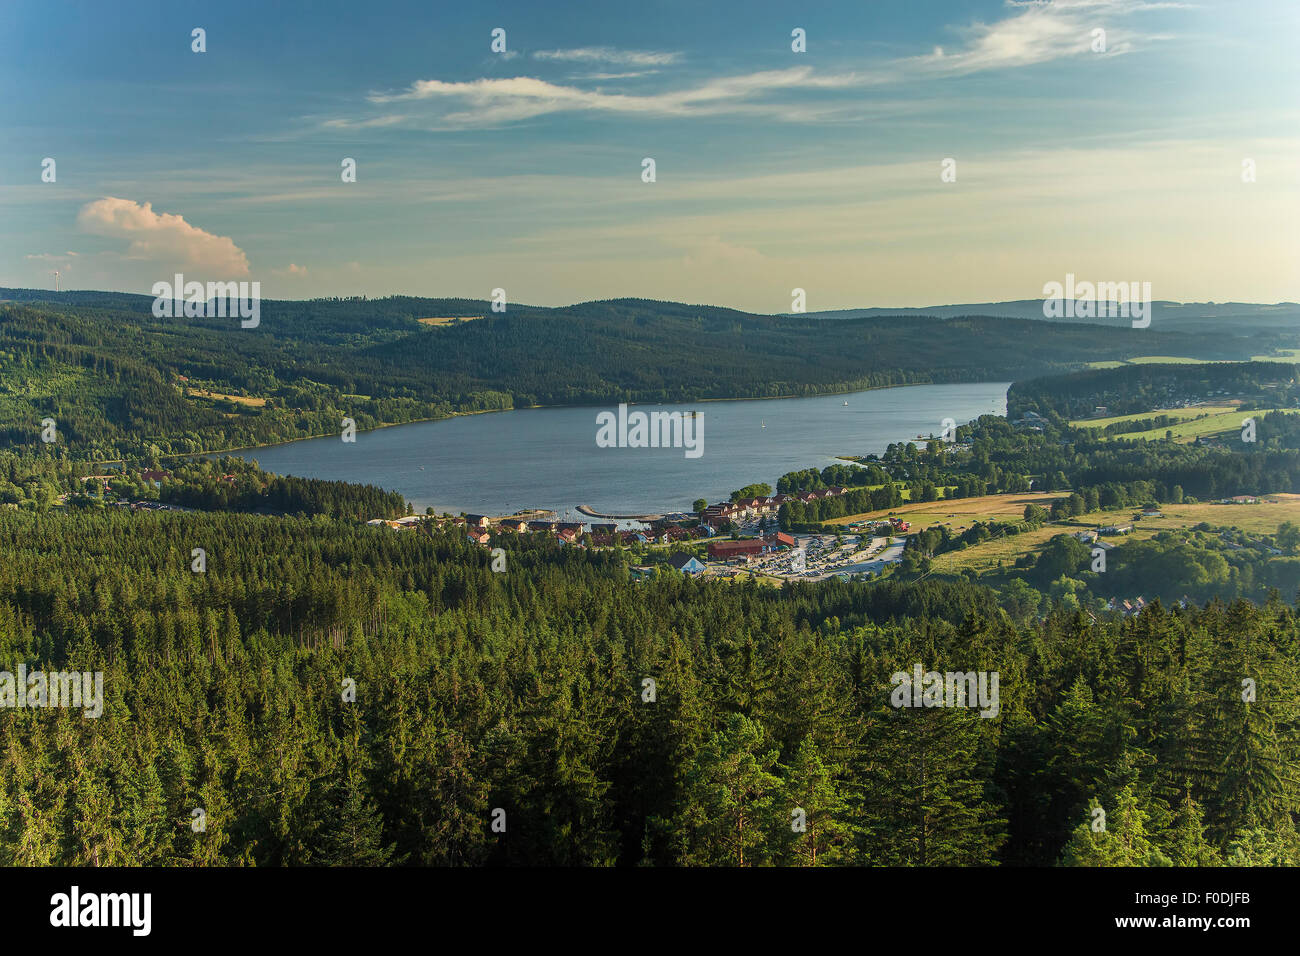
(762, 424)
(846, 404)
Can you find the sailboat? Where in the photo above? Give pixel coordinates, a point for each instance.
(846, 404)
(762, 424)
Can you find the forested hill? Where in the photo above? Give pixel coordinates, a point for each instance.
(1218, 318)
(121, 382)
(1140, 388)
(523, 692)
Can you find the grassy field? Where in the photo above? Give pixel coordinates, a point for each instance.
(448, 319)
(1262, 518)
(1181, 413)
(1189, 431)
(1152, 360)
(1284, 355)
(219, 396)
(985, 556)
(959, 513)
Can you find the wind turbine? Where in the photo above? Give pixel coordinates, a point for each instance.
(55, 273)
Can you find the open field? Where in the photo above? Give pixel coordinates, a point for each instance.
(1185, 432)
(959, 512)
(1262, 518)
(1284, 355)
(1182, 413)
(985, 556)
(219, 396)
(448, 319)
(1152, 360)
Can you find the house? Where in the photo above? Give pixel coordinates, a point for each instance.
(782, 540)
(1031, 421)
(478, 536)
(687, 563)
(478, 521)
(747, 548)
(155, 476)
(513, 524)
(567, 535)
(1086, 535)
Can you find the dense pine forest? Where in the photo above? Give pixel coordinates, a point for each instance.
(519, 698)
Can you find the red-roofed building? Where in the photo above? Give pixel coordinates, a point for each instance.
(727, 550)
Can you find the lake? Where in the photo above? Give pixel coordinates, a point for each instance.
(501, 462)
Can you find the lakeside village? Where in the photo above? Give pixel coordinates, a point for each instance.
(742, 539)
(727, 539)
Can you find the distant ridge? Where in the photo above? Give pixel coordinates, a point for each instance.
(1167, 313)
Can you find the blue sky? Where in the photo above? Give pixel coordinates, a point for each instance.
(775, 169)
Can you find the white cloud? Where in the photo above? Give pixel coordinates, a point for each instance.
(162, 237)
(1032, 32)
(373, 122)
(629, 75)
(496, 100)
(604, 54)
(1040, 32)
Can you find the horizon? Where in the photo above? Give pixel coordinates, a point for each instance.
(704, 305)
(824, 169)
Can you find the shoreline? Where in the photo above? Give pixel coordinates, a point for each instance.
(517, 408)
(251, 453)
(592, 513)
